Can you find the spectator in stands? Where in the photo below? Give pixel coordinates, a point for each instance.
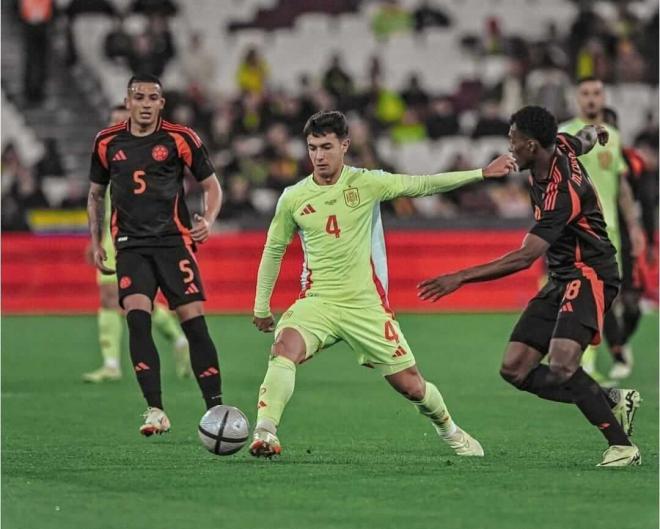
(629, 66)
(511, 91)
(37, 16)
(200, 68)
(592, 61)
(252, 73)
(51, 162)
(427, 16)
(338, 82)
(153, 49)
(283, 166)
(24, 194)
(442, 119)
(550, 87)
(249, 118)
(118, 44)
(237, 202)
(490, 121)
(414, 95)
(409, 129)
(472, 200)
(391, 18)
(493, 42)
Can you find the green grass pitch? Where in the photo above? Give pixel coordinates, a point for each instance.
(356, 455)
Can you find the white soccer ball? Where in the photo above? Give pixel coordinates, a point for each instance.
(223, 430)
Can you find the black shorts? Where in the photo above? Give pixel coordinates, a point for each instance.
(172, 269)
(571, 309)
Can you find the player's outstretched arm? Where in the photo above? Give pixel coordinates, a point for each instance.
(400, 185)
(281, 230)
(589, 135)
(532, 248)
(96, 214)
(212, 203)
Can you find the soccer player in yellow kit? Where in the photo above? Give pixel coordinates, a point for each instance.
(607, 167)
(109, 315)
(336, 212)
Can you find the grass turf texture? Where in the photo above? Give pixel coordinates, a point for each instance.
(355, 454)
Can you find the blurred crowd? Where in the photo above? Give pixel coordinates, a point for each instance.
(254, 135)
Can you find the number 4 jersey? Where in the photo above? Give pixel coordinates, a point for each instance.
(146, 173)
(342, 234)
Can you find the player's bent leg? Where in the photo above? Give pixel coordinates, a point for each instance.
(203, 354)
(589, 398)
(110, 327)
(522, 369)
(276, 389)
(429, 402)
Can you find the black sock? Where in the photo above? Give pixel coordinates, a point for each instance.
(589, 397)
(144, 356)
(204, 360)
(631, 317)
(541, 382)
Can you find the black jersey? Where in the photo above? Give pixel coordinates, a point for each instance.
(568, 216)
(146, 173)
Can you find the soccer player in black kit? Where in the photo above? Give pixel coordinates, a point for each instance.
(567, 314)
(144, 160)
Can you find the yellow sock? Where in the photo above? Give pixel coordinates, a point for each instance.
(433, 407)
(111, 325)
(275, 391)
(165, 322)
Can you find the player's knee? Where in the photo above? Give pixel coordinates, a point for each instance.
(410, 384)
(280, 348)
(562, 371)
(513, 374)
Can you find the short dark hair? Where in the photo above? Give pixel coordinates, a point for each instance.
(537, 123)
(143, 78)
(326, 122)
(587, 79)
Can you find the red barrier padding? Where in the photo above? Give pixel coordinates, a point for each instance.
(48, 274)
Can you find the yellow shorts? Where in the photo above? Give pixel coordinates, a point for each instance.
(371, 332)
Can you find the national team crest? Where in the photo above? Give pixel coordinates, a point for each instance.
(159, 153)
(352, 197)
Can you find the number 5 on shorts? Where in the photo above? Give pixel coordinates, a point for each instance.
(184, 266)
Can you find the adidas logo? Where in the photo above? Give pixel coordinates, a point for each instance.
(192, 289)
(308, 210)
(209, 372)
(119, 156)
(400, 351)
(141, 366)
(566, 307)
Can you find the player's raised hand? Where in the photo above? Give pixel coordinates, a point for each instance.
(200, 231)
(603, 135)
(500, 166)
(266, 324)
(435, 288)
(100, 257)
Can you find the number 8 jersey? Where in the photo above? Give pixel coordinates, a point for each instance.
(146, 173)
